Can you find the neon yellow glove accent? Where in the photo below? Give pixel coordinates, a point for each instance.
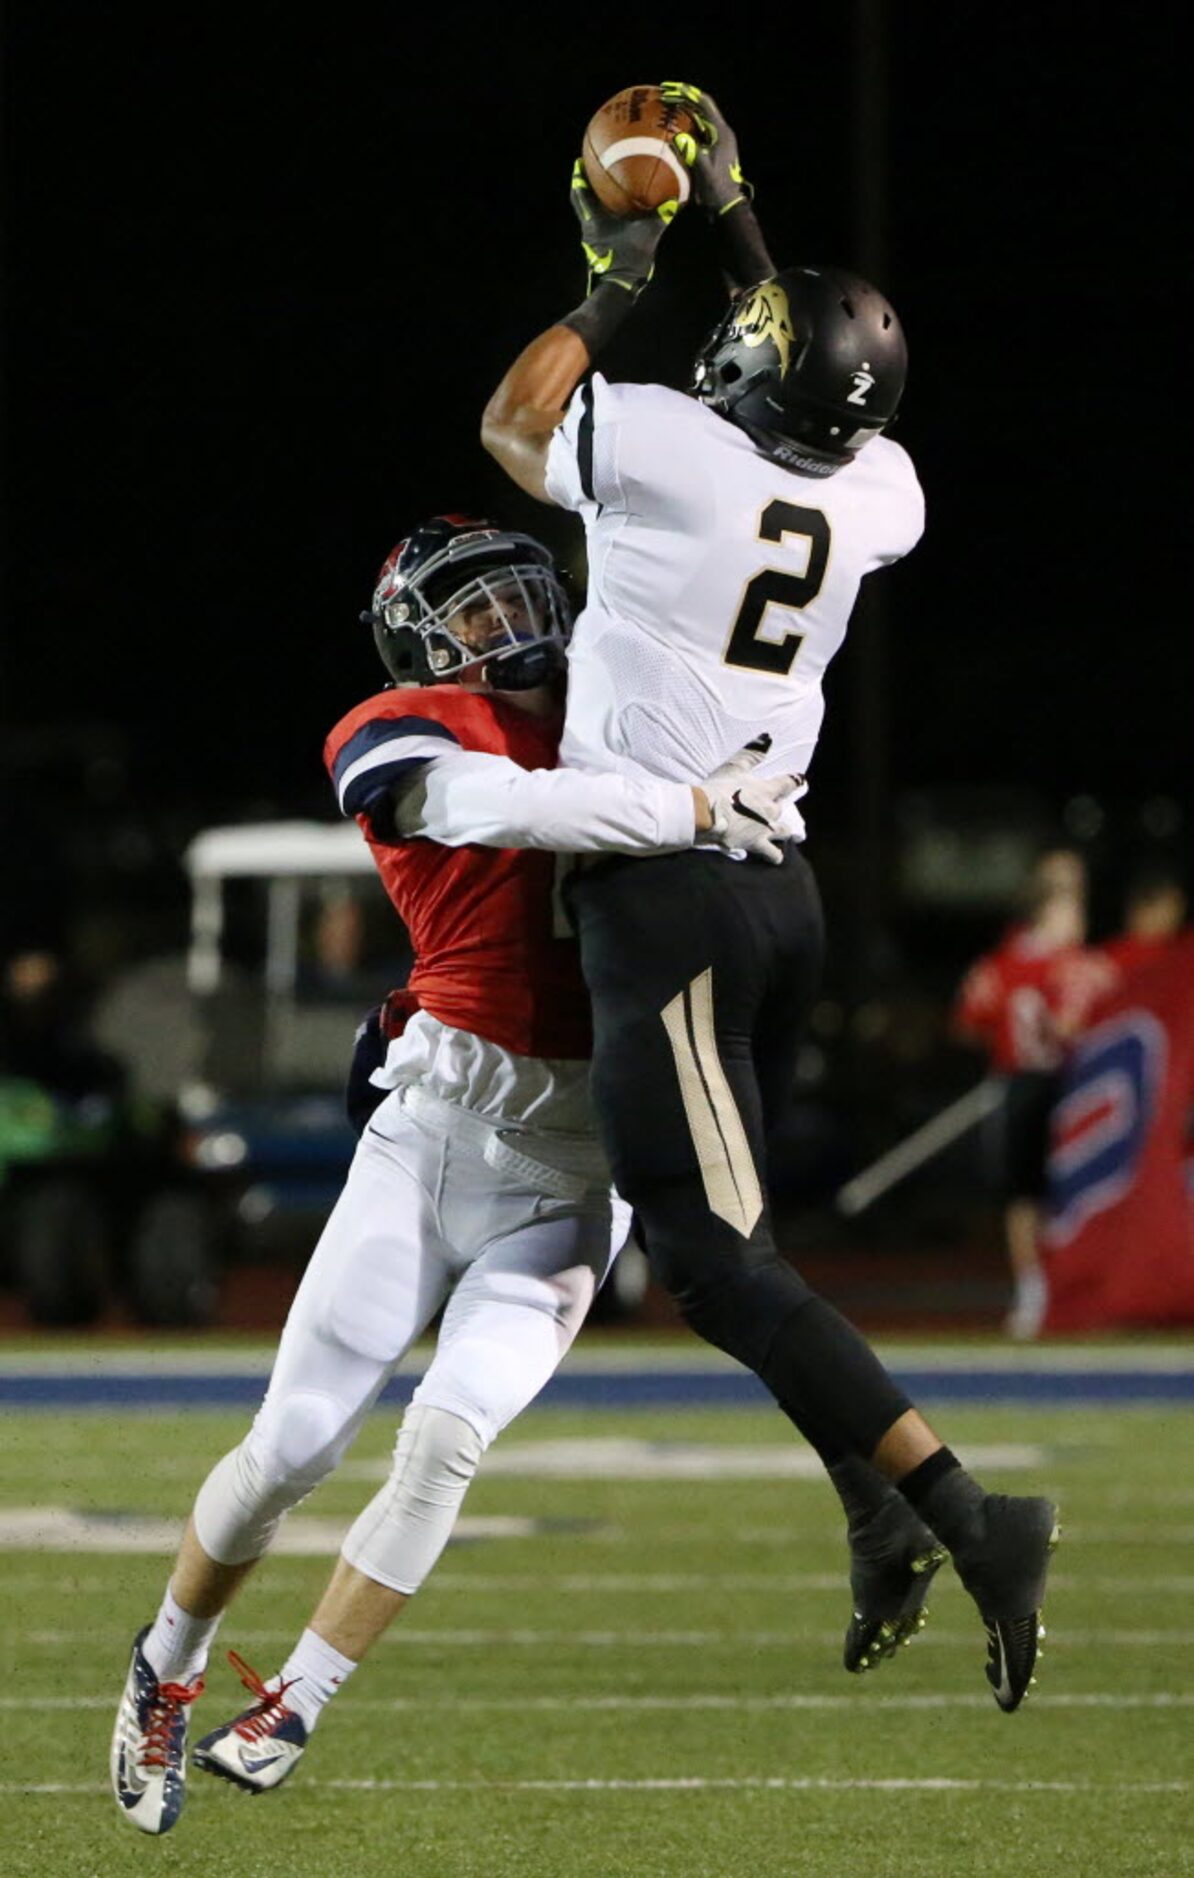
(673, 92)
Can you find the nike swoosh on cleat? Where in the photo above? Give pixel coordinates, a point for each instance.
(259, 1767)
(1003, 1688)
(130, 1776)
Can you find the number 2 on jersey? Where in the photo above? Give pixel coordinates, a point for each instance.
(770, 587)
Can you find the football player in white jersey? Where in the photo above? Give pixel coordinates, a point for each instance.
(478, 1186)
(727, 531)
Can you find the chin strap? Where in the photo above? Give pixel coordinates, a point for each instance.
(530, 666)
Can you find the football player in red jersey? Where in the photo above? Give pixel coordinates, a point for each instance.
(1024, 1003)
(478, 1187)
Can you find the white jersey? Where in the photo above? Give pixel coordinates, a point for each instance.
(720, 584)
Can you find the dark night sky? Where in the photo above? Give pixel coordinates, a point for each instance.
(263, 273)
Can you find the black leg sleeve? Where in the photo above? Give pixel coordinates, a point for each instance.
(690, 960)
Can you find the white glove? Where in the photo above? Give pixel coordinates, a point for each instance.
(746, 815)
(740, 765)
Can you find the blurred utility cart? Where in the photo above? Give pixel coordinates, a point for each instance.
(292, 940)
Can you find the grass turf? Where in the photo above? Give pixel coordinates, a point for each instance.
(674, 1642)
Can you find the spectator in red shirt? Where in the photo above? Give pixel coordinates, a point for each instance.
(1023, 1003)
(1154, 913)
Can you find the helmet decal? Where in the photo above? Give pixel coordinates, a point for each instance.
(864, 381)
(767, 315)
(810, 364)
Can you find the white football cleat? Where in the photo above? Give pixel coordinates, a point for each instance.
(259, 1747)
(149, 1745)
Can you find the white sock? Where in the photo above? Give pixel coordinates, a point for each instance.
(176, 1648)
(314, 1671)
(1029, 1305)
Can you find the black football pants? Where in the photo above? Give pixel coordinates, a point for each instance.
(702, 971)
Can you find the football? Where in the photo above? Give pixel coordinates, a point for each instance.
(629, 153)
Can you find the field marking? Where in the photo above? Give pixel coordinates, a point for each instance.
(679, 1352)
(649, 1704)
(1127, 1535)
(658, 1388)
(61, 1529)
(452, 1639)
(630, 1457)
(639, 1584)
(684, 1783)
(1073, 1534)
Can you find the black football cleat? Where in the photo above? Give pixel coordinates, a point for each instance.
(893, 1560)
(1004, 1567)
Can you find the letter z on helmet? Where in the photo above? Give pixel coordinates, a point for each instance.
(460, 595)
(810, 364)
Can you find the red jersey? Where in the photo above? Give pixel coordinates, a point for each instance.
(1130, 950)
(480, 919)
(1025, 1002)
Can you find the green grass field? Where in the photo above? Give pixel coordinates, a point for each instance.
(651, 1686)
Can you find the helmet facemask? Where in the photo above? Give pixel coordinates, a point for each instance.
(486, 603)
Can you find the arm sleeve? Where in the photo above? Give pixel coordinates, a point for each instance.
(741, 248)
(903, 508)
(582, 457)
(379, 754)
(461, 797)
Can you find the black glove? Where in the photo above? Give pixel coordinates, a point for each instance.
(717, 180)
(374, 1034)
(361, 1096)
(618, 249)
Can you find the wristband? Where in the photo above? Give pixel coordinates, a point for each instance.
(743, 251)
(597, 319)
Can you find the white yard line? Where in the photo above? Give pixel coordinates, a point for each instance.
(639, 1584)
(782, 1534)
(59, 1532)
(667, 1704)
(685, 1783)
(629, 1457)
(732, 1640)
(1148, 1537)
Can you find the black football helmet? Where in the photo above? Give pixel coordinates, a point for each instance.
(458, 594)
(810, 364)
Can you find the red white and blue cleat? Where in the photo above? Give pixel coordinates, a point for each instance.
(149, 1745)
(261, 1746)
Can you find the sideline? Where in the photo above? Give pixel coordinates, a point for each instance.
(631, 1373)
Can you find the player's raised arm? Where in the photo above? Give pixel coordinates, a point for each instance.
(721, 189)
(528, 405)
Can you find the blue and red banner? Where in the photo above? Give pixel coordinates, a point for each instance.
(1118, 1243)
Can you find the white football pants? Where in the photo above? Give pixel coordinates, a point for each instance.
(513, 1251)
